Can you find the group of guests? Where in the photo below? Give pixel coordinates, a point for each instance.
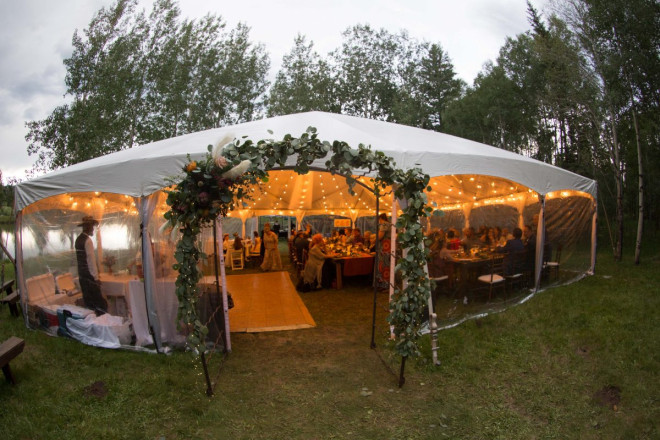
(264, 246)
(497, 240)
(317, 274)
(353, 236)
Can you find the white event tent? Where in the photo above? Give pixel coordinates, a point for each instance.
(472, 184)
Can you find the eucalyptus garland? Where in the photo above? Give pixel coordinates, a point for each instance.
(215, 185)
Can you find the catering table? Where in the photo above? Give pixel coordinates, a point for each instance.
(353, 266)
(115, 286)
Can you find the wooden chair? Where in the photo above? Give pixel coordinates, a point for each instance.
(553, 266)
(494, 279)
(10, 298)
(515, 278)
(236, 259)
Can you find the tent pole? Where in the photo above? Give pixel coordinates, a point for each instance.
(375, 271)
(219, 257)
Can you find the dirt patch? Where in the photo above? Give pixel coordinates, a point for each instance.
(583, 351)
(97, 389)
(609, 396)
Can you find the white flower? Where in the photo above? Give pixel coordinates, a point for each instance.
(237, 170)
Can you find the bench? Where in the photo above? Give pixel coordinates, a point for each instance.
(9, 349)
(11, 297)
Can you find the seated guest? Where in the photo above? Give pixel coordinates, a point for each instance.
(238, 243)
(439, 257)
(367, 239)
(313, 274)
(511, 248)
(529, 240)
(470, 239)
(504, 236)
(255, 249)
(300, 243)
(453, 242)
(225, 243)
(355, 238)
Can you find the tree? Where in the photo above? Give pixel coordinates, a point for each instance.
(135, 79)
(303, 84)
(429, 85)
(366, 67)
(622, 41)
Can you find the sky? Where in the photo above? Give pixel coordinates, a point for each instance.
(35, 38)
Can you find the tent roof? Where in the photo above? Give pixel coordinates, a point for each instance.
(144, 169)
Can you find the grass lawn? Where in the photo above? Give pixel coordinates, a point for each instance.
(575, 362)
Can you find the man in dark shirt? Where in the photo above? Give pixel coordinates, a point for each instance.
(512, 249)
(300, 243)
(88, 273)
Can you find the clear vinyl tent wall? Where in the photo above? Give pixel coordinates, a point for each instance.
(478, 201)
(130, 204)
(144, 288)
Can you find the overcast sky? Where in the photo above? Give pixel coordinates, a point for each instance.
(35, 37)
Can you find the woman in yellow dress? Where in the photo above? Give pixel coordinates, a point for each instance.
(272, 260)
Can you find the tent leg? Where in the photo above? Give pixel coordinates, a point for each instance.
(375, 279)
(209, 387)
(402, 378)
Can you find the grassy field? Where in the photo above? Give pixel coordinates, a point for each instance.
(576, 362)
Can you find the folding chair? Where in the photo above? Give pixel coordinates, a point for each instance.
(553, 266)
(494, 279)
(236, 258)
(516, 272)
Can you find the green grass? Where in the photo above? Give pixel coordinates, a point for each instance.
(535, 371)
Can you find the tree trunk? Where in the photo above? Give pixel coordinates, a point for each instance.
(616, 156)
(640, 218)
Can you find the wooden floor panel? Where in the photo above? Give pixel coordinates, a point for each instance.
(266, 302)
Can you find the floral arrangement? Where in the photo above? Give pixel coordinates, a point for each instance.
(213, 185)
(109, 261)
(209, 187)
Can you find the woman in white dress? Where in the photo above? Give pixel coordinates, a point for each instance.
(272, 260)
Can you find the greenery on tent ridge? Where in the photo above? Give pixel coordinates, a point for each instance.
(203, 194)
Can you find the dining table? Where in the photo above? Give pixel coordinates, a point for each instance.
(352, 265)
(467, 267)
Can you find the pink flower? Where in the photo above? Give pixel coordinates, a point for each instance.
(221, 162)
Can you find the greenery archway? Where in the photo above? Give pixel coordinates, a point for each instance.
(212, 187)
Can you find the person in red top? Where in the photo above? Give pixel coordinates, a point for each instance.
(453, 242)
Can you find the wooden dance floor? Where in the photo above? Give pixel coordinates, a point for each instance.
(266, 302)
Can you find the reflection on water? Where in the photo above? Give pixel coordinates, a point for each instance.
(7, 239)
(114, 237)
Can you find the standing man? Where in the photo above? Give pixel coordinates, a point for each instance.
(88, 273)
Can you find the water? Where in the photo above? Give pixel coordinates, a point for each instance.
(7, 239)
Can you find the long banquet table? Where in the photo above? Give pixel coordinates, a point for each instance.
(353, 266)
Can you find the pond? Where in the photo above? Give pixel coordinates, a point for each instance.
(7, 240)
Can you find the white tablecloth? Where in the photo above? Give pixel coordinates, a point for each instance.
(167, 305)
